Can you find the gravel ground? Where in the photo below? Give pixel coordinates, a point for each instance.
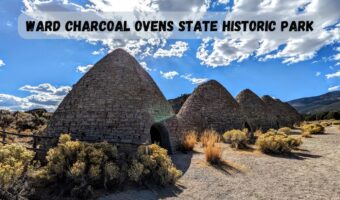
(312, 173)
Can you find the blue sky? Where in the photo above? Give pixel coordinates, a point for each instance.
(39, 73)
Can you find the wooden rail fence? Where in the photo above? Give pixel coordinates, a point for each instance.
(37, 138)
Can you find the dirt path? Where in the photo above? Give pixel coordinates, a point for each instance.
(313, 173)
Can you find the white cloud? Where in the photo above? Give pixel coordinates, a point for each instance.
(84, 69)
(2, 63)
(100, 51)
(194, 80)
(289, 46)
(142, 47)
(42, 96)
(145, 66)
(223, 1)
(333, 75)
(334, 88)
(336, 56)
(9, 24)
(169, 75)
(317, 73)
(177, 49)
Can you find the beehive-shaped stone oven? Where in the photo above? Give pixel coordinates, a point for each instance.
(211, 106)
(116, 101)
(286, 115)
(256, 111)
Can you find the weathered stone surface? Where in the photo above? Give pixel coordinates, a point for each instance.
(286, 115)
(116, 100)
(256, 111)
(211, 106)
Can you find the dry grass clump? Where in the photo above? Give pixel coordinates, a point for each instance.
(213, 154)
(14, 159)
(189, 141)
(285, 130)
(313, 128)
(210, 137)
(277, 143)
(153, 163)
(238, 139)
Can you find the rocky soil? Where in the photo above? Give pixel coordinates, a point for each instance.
(313, 172)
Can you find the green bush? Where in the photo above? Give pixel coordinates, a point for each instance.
(153, 163)
(313, 128)
(14, 159)
(238, 139)
(277, 143)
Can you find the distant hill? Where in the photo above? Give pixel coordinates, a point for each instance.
(323, 103)
(177, 103)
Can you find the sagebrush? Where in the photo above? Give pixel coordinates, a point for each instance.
(277, 143)
(238, 139)
(14, 159)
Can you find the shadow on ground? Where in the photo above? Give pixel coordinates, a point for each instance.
(296, 155)
(182, 160)
(227, 168)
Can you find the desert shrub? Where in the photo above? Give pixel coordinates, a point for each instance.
(213, 154)
(14, 159)
(258, 133)
(80, 166)
(336, 122)
(313, 128)
(189, 140)
(238, 139)
(277, 143)
(153, 163)
(306, 134)
(272, 130)
(326, 124)
(294, 142)
(24, 121)
(6, 118)
(285, 130)
(209, 137)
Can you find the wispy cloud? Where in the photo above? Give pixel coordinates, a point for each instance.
(177, 50)
(317, 73)
(333, 75)
(84, 69)
(100, 51)
(169, 75)
(194, 80)
(334, 88)
(145, 66)
(2, 63)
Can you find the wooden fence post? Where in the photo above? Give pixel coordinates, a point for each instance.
(4, 135)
